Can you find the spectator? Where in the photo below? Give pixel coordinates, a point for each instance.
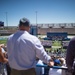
(23, 48)
(39, 70)
(3, 61)
(58, 61)
(70, 56)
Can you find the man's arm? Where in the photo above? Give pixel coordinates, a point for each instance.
(41, 53)
(2, 58)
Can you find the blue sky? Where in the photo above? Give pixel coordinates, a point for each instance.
(48, 11)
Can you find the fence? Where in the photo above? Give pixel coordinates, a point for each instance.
(47, 69)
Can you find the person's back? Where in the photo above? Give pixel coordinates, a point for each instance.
(23, 49)
(39, 70)
(55, 71)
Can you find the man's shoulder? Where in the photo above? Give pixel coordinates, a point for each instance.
(33, 36)
(10, 36)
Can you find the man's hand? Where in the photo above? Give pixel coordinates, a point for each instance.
(51, 63)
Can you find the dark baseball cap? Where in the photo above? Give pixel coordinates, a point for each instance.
(57, 61)
(24, 21)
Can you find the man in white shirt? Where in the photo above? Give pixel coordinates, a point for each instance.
(23, 48)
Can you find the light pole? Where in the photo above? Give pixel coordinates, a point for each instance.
(36, 23)
(36, 18)
(6, 19)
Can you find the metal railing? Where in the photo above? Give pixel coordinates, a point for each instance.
(46, 69)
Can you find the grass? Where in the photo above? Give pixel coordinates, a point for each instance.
(56, 43)
(3, 41)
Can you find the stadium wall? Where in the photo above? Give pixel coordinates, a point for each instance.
(43, 31)
(43, 28)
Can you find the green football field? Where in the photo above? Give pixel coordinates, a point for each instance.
(3, 41)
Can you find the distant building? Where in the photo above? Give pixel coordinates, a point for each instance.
(1, 24)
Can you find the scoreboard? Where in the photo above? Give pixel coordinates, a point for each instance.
(1, 24)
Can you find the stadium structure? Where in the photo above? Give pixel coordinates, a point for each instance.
(56, 27)
(42, 29)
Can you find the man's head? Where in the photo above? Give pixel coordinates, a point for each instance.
(24, 24)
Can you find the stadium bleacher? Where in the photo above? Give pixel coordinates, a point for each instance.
(57, 35)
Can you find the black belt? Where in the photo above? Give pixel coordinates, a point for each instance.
(30, 71)
(24, 70)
